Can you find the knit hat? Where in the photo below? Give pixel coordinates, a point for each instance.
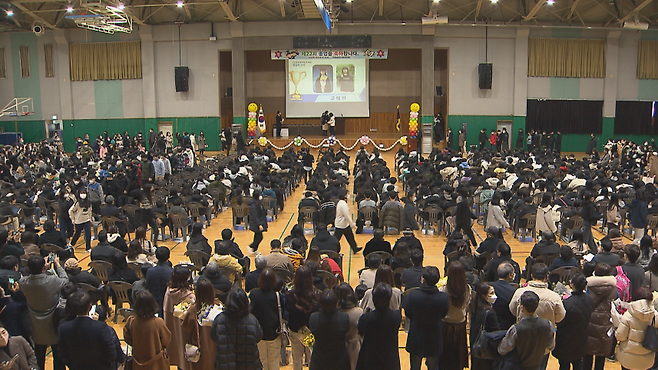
(71, 264)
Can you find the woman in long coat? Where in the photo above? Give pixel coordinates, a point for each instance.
(179, 290)
(199, 334)
(329, 327)
(147, 334)
(571, 336)
(379, 329)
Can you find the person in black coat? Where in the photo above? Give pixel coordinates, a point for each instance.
(109, 209)
(426, 307)
(329, 327)
(464, 216)
(546, 246)
(218, 280)
(77, 275)
(591, 146)
(504, 293)
(158, 277)
(325, 241)
(251, 279)
(265, 306)
(409, 213)
(590, 216)
(121, 271)
(606, 256)
(51, 235)
(103, 251)
(379, 329)
(257, 220)
(482, 317)
(520, 139)
(84, 343)
(482, 138)
(572, 331)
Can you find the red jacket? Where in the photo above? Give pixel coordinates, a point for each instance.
(493, 138)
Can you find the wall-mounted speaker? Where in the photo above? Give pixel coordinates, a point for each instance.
(229, 92)
(182, 77)
(439, 91)
(485, 72)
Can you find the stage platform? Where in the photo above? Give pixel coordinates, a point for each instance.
(347, 140)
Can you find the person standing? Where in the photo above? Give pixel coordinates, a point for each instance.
(257, 221)
(332, 124)
(344, 223)
(301, 301)
(455, 354)
(519, 139)
(266, 305)
(202, 144)
(461, 141)
(80, 214)
(41, 291)
(639, 215)
(531, 338)
(324, 119)
(482, 138)
(195, 326)
(151, 139)
(329, 327)
(572, 332)
(449, 138)
(158, 276)
(558, 143)
(504, 139)
(483, 317)
(279, 121)
(632, 329)
(349, 304)
(603, 290)
(147, 334)
(179, 290)
(426, 308)
(591, 146)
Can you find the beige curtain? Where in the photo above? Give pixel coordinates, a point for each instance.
(3, 65)
(48, 60)
(106, 61)
(566, 58)
(647, 60)
(24, 52)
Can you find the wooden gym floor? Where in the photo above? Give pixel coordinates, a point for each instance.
(432, 244)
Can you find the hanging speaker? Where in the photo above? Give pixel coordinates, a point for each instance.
(182, 77)
(485, 72)
(439, 91)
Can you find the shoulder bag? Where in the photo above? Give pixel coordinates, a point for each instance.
(485, 346)
(650, 341)
(192, 352)
(283, 331)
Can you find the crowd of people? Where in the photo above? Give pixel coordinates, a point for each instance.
(230, 316)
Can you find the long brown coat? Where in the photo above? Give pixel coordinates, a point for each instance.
(206, 346)
(602, 289)
(148, 337)
(176, 350)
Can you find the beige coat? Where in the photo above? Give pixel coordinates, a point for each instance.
(176, 348)
(353, 339)
(456, 314)
(612, 215)
(630, 334)
(550, 303)
(545, 220)
(147, 337)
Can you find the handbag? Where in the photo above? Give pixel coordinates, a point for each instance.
(192, 352)
(485, 345)
(283, 331)
(650, 341)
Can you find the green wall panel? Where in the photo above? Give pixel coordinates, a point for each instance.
(28, 87)
(649, 35)
(108, 96)
(565, 88)
(567, 33)
(475, 124)
(647, 90)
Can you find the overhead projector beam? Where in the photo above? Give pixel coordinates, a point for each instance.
(36, 17)
(534, 10)
(637, 9)
(229, 14)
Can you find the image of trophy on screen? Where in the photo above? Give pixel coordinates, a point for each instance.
(295, 78)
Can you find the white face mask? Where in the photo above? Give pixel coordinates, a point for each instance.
(83, 196)
(492, 299)
(76, 182)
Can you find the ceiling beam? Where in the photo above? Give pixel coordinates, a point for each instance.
(36, 17)
(381, 8)
(573, 9)
(534, 10)
(282, 6)
(187, 12)
(229, 14)
(637, 9)
(477, 9)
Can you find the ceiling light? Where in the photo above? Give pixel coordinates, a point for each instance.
(494, 1)
(69, 9)
(121, 6)
(436, 1)
(349, 1)
(550, 2)
(10, 13)
(180, 4)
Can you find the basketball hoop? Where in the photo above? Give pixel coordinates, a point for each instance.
(18, 107)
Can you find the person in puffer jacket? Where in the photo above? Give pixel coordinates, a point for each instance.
(632, 329)
(603, 290)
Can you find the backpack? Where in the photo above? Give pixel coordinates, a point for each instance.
(623, 285)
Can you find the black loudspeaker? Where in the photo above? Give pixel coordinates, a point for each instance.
(439, 91)
(485, 72)
(229, 92)
(182, 77)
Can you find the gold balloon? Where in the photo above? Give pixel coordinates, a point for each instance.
(415, 107)
(252, 107)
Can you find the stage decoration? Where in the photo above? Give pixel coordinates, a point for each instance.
(331, 141)
(261, 121)
(413, 120)
(251, 120)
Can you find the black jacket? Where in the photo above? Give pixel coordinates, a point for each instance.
(609, 258)
(379, 350)
(426, 307)
(103, 252)
(156, 281)
(572, 331)
(199, 243)
(263, 305)
(329, 351)
(219, 281)
(52, 237)
(257, 216)
(325, 241)
(504, 292)
(85, 344)
(227, 332)
(78, 276)
(251, 280)
(545, 247)
(409, 217)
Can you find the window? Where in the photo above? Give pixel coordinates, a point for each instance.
(24, 52)
(3, 66)
(48, 56)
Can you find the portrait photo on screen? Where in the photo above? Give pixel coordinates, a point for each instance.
(345, 77)
(323, 77)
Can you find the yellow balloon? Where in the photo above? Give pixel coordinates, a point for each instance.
(252, 107)
(415, 107)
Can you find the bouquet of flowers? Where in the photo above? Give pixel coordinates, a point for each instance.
(307, 337)
(181, 309)
(208, 313)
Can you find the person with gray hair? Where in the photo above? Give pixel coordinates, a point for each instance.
(504, 291)
(213, 274)
(251, 279)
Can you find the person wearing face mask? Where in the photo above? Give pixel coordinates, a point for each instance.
(16, 346)
(482, 317)
(80, 214)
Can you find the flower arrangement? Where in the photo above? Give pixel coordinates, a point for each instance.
(364, 140)
(298, 141)
(331, 140)
(262, 141)
(181, 309)
(307, 337)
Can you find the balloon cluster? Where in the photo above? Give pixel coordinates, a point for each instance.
(413, 120)
(251, 120)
